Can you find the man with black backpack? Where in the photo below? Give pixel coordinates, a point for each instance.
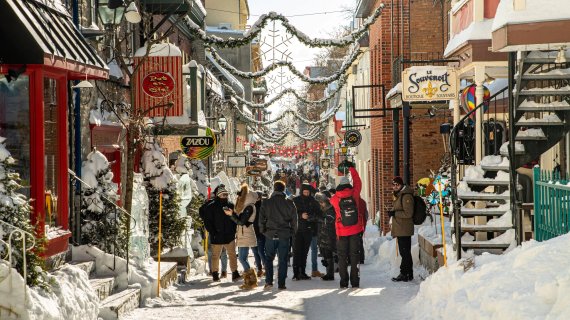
(349, 225)
(403, 226)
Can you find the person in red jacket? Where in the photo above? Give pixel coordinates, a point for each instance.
(349, 225)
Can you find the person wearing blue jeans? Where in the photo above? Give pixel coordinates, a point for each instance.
(277, 222)
(281, 248)
(314, 256)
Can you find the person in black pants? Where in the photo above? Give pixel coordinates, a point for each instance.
(308, 213)
(403, 227)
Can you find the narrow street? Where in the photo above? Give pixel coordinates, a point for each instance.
(377, 298)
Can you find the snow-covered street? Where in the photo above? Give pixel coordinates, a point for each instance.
(200, 298)
(309, 299)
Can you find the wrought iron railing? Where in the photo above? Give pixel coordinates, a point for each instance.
(462, 145)
(16, 234)
(551, 204)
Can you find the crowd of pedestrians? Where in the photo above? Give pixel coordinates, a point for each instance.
(282, 225)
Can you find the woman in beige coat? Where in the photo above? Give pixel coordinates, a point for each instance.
(244, 216)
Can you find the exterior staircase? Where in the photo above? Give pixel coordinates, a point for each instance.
(539, 118)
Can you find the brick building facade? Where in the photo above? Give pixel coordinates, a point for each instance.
(414, 30)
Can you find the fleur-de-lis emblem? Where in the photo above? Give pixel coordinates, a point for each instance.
(430, 90)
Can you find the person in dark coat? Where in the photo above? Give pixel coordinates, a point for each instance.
(224, 256)
(277, 222)
(259, 254)
(327, 234)
(308, 213)
(222, 231)
(403, 226)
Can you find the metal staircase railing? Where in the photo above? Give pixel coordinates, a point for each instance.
(455, 153)
(16, 234)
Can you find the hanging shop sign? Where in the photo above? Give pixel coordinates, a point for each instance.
(157, 83)
(236, 162)
(429, 83)
(253, 171)
(260, 164)
(352, 138)
(200, 146)
(325, 164)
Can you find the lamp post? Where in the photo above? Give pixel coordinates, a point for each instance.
(111, 12)
(222, 124)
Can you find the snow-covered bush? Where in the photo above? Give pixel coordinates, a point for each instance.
(103, 225)
(15, 210)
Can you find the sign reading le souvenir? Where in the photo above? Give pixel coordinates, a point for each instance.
(200, 146)
(352, 138)
(158, 84)
(429, 83)
(325, 164)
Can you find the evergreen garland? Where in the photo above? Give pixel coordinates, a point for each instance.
(15, 209)
(103, 225)
(256, 28)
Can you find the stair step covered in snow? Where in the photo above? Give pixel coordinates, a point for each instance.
(532, 106)
(488, 212)
(103, 286)
(119, 304)
(87, 266)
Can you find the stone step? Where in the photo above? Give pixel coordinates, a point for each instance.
(538, 123)
(87, 266)
(117, 305)
(545, 92)
(103, 286)
(532, 106)
(483, 245)
(531, 138)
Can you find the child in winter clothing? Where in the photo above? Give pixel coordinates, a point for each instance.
(327, 234)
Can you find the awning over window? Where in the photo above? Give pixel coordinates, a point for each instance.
(33, 33)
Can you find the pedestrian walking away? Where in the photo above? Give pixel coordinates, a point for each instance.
(259, 254)
(277, 222)
(403, 226)
(222, 231)
(349, 226)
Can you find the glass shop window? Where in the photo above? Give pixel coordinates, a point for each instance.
(15, 124)
(51, 155)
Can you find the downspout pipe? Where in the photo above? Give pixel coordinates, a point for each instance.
(406, 138)
(396, 141)
(76, 143)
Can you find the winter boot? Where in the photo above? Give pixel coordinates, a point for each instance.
(252, 279)
(304, 276)
(402, 277)
(235, 276)
(330, 270)
(317, 274)
(224, 275)
(246, 280)
(260, 273)
(215, 277)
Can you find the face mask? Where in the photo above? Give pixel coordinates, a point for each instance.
(223, 200)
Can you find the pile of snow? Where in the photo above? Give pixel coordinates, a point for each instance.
(495, 161)
(552, 104)
(474, 173)
(534, 11)
(547, 118)
(525, 283)
(382, 252)
(506, 220)
(71, 296)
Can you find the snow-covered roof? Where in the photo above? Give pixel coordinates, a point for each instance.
(394, 91)
(535, 11)
(160, 50)
(198, 3)
(236, 85)
(478, 30)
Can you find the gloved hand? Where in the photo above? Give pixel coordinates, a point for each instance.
(391, 213)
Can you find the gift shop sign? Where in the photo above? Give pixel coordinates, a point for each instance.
(429, 83)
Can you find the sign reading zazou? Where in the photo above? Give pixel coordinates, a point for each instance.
(429, 83)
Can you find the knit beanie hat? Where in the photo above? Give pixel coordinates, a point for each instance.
(221, 189)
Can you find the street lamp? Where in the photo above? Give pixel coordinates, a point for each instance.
(111, 12)
(222, 123)
(327, 152)
(343, 149)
